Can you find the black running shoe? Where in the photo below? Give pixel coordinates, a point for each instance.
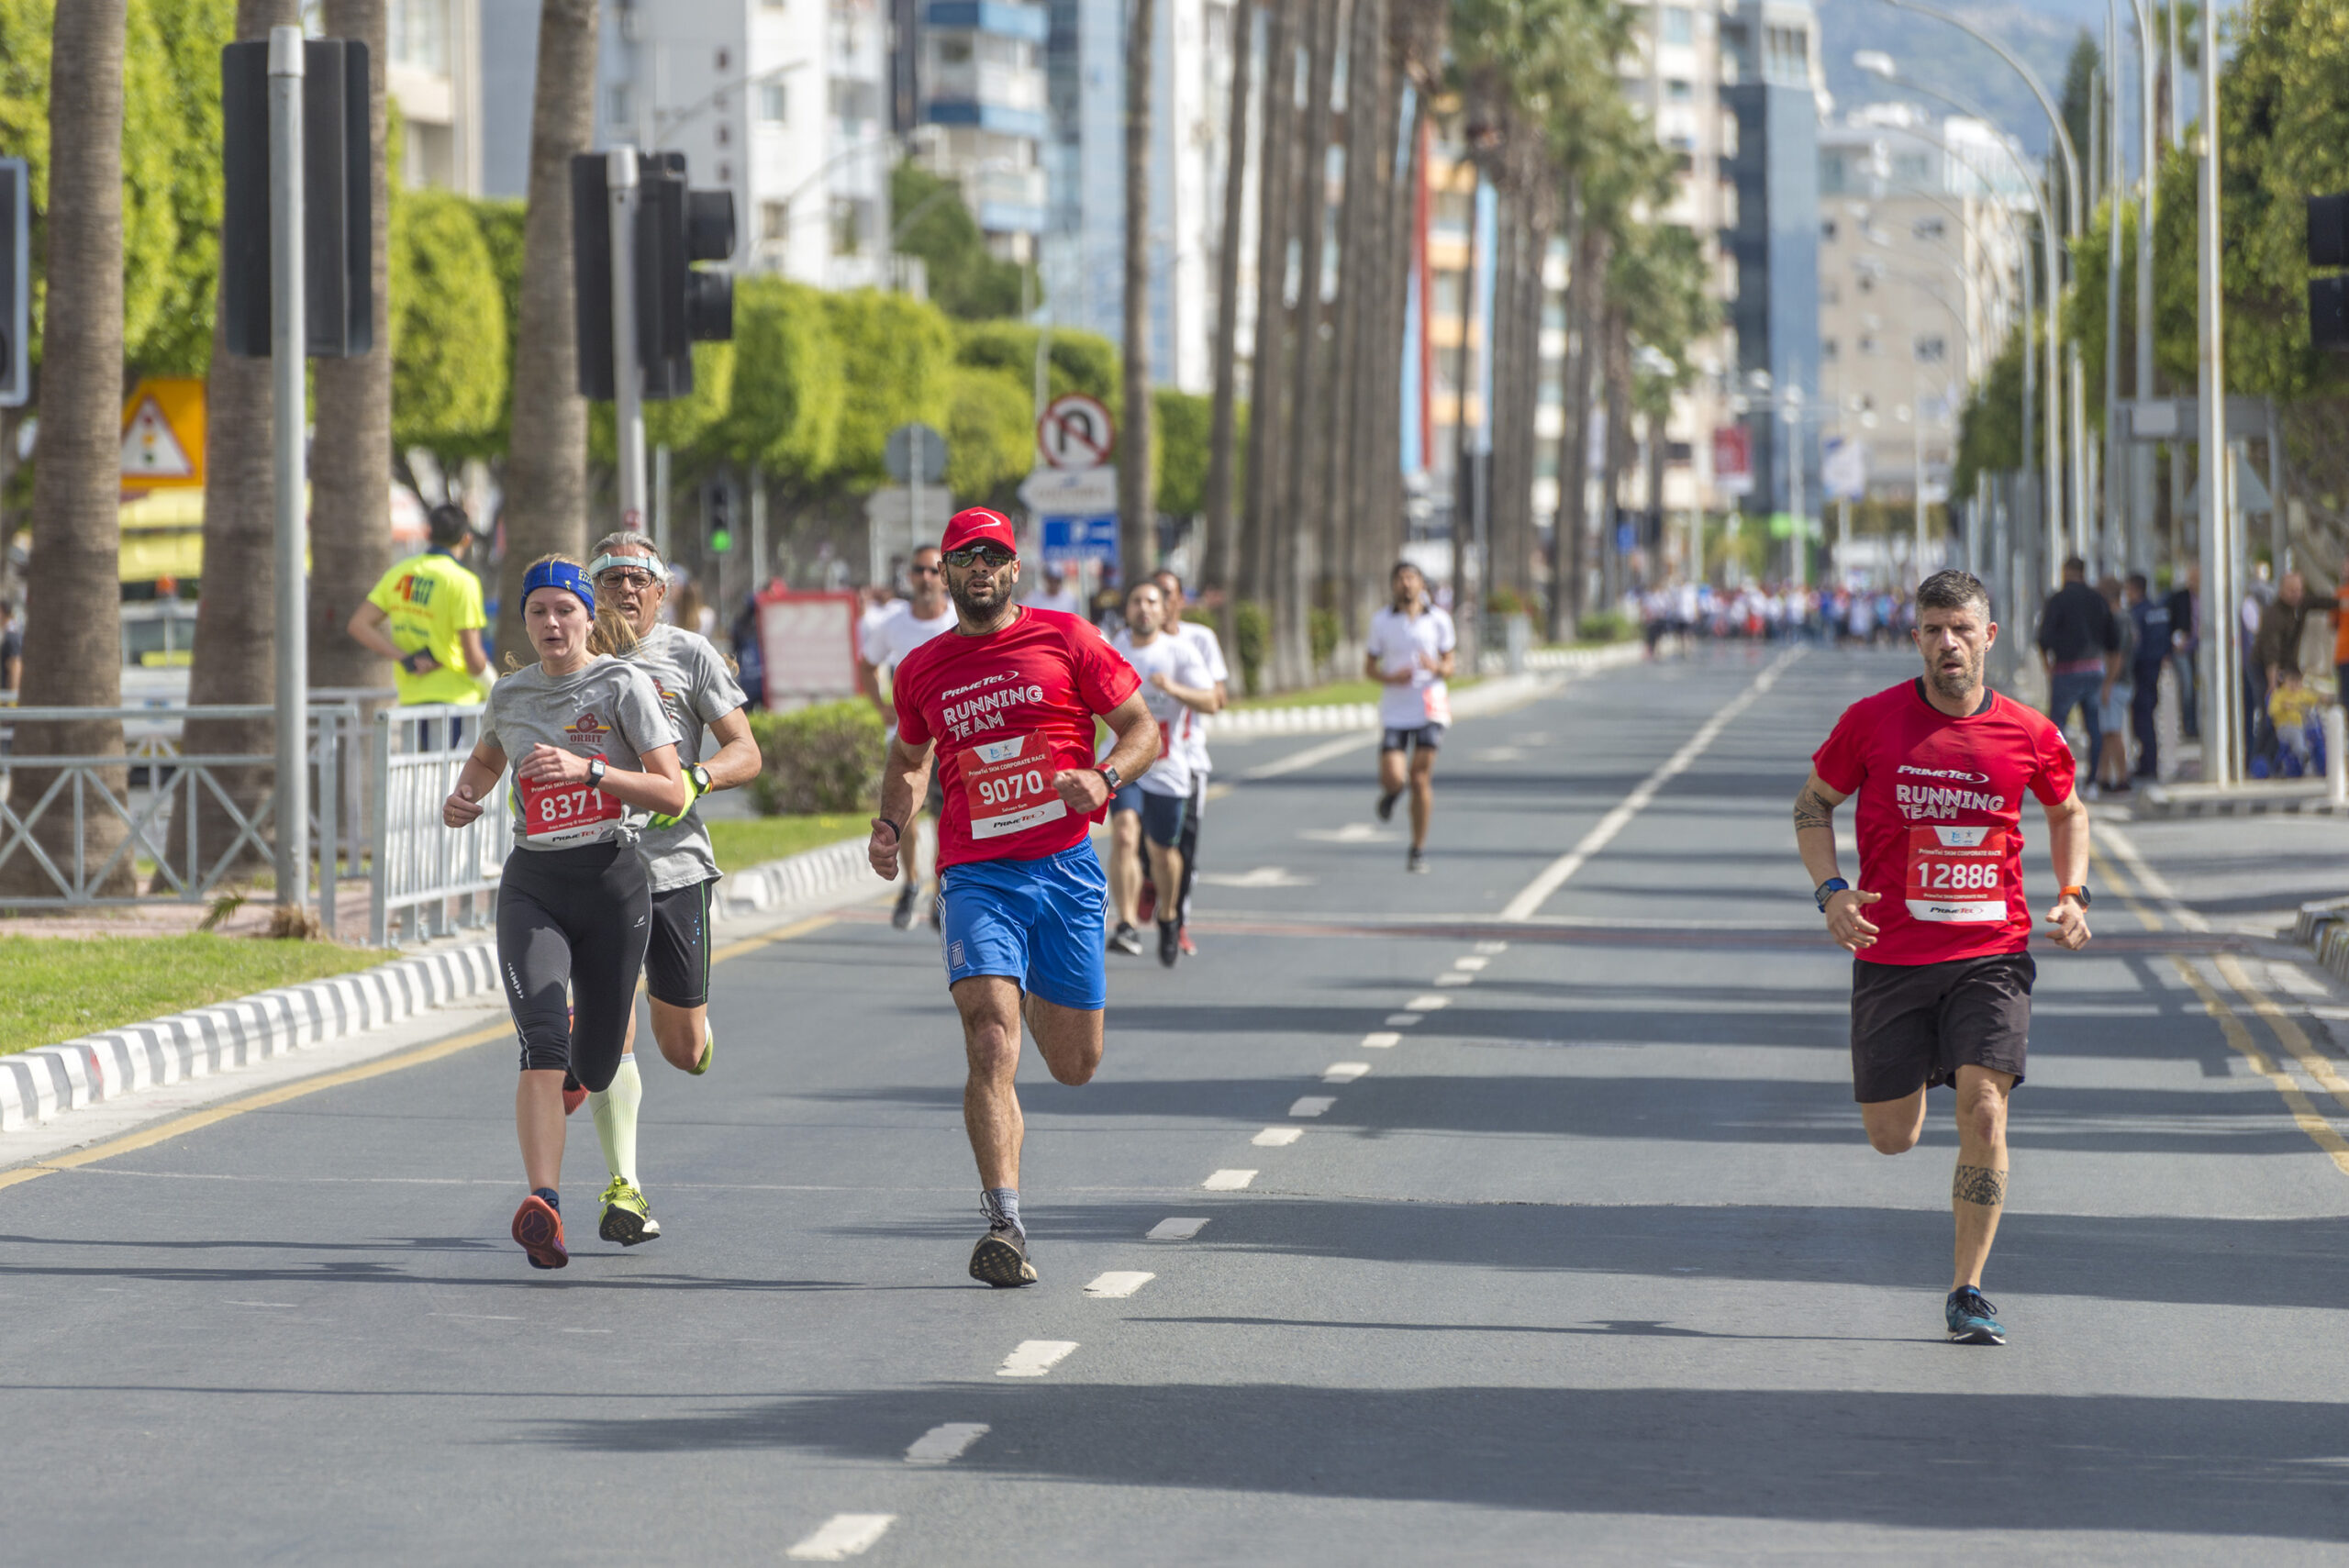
(1126, 939)
(1972, 1320)
(1170, 943)
(902, 916)
(1001, 1258)
(1416, 861)
(1387, 805)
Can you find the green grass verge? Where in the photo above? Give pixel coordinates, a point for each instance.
(54, 988)
(742, 843)
(1333, 692)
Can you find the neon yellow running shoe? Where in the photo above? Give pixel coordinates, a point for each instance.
(708, 1050)
(627, 1219)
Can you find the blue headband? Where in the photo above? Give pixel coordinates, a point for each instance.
(559, 574)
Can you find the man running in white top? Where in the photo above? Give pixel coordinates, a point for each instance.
(1147, 815)
(1411, 650)
(885, 639)
(1201, 637)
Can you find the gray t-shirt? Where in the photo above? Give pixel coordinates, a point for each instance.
(606, 708)
(697, 689)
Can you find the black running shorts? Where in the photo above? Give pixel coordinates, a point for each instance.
(573, 921)
(1914, 1025)
(676, 962)
(1422, 738)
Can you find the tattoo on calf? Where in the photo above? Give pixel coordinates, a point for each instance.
(1980, 1184)
(1813, 812)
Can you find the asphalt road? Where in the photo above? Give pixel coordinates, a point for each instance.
(1581, 1257)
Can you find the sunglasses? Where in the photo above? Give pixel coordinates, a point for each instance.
(990, 555)
(919, 570)
(618, 577)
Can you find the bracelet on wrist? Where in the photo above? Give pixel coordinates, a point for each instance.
(894, 831)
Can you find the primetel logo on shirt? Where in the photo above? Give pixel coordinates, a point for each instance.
(1960, 774)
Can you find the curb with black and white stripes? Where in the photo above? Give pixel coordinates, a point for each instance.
(50, 1081)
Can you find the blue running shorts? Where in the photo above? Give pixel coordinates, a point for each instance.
(1039, 922)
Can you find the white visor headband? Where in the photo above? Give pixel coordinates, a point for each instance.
(647, 563)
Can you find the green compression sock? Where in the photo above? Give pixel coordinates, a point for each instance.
(615, 1113)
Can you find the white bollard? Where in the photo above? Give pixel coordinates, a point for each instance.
(2336, 766)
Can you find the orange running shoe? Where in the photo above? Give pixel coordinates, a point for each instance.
(537, 1231)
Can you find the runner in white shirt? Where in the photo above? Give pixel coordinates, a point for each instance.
(1410, 649)
(1203, 638)
(885, 639)
(1056, 594)
(1177, 688)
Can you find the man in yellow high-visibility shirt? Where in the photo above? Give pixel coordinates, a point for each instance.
(426, 616)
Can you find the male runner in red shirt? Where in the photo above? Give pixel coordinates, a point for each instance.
(1005, 701)
(1938, 928)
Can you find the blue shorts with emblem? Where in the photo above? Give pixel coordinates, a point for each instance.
(1039, 922)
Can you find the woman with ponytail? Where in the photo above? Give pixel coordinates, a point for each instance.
(596, 756)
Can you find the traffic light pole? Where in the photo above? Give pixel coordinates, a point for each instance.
(628, 365)
(289, 348)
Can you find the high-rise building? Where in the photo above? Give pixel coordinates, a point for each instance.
(432, 70)
(973, 74)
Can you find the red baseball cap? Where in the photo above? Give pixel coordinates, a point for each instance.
(976, 524)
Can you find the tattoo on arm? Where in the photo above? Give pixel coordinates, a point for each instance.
(1980, 1184)
(1811, 811)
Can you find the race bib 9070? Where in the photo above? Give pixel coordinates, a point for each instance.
(1957, 874)
(1008, 784)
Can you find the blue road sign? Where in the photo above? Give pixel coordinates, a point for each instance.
(1068, 540)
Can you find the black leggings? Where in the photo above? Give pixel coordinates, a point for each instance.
(580, 917)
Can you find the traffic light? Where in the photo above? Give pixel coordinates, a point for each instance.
(2329, 246)
(720, 509)
(338, 201)
(16, 285)
(676, 304)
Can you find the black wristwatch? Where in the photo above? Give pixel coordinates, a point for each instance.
(1827, 890)
(1109, 776)
(596, 769)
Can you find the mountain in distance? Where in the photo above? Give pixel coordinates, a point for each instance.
(2041, 32)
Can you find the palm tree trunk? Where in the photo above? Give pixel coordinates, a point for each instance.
(1275, 199)
(235, 659)
(1617, 453)
(1301, 544)
(1137, 523)
(546, 470)
(74, 607)
(1464, 458)
(1356, 265)
(1507, 415)
(351, 491)
(1358, 450)
(1219, 548)
(1385, 507)
(1585, 302)
(1532, 290)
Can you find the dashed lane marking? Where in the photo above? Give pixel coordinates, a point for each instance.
(1426, 1004)
(1383, 1039)
(1405, 1020)
(1277, 1137)
(1228, 1181)
(944, 1445)
(1180, 1228)
(1343, 1071)
(841, 1537)
(1311, 757)
(1471, 963)
(1602, 832)
(1455, 978)
(1034, 1358)
(1491, 949)
(1115, 1285)
(1312, 1105)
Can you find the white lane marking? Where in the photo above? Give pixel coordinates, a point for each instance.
(590, 1330)
(1277, 1137)
(1352, 833)
(1495, 754)
(1034, 1358)
(290, 1304)
(1383, 1039)
(1182, 1228)
(1262, 876)
(943, 1445)
(2298, 981)
(1394, 1021)
(1426, 1004)
(1229, 1181)
(841, 1537)
(1312, 756)
(1490, 947)
(1343, 1071)
(1312, 1105)
(483, 1316)
(1455, 978)
(1471, 963)
(2152, 881)
(1553, 876)
(1114, 1285)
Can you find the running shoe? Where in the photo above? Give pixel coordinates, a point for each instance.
(627, 1219)
(1001, 1257)
(1386, 803)
(574, 1094)
(902, 916)
(708, 1050)
(1972, 1320)
(1126, 939)
(1183, 936)
(1415, 861)
(1147, 904)
(537, 1231)
(1169, 943)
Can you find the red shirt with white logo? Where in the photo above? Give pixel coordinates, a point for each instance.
(1941, 818)
(1009, 712)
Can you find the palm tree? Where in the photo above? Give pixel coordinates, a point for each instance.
(235, 659)
(74, 615)
(1275, 196)
(1295, 555)
(1219, 552)
(350, 490)
(546, 472)
(1136, 526)
(1366, 119)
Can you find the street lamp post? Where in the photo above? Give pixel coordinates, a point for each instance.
(2222, 696)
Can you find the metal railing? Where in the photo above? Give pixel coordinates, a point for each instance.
(426, 879)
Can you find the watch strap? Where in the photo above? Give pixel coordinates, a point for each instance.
(2079, 890)
(1829, 889)
(596, 769)
(1109, 776)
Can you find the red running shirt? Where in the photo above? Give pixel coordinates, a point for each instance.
(1009, 712)
(1941, 818)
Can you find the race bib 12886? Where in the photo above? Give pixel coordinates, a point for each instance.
(1957, 874)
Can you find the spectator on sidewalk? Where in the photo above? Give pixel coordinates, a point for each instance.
(2185, 650)
(2149, 620)
(12, 649)
(2276, 653)
(425, 615)
(2114, 700)
(2079, 647)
